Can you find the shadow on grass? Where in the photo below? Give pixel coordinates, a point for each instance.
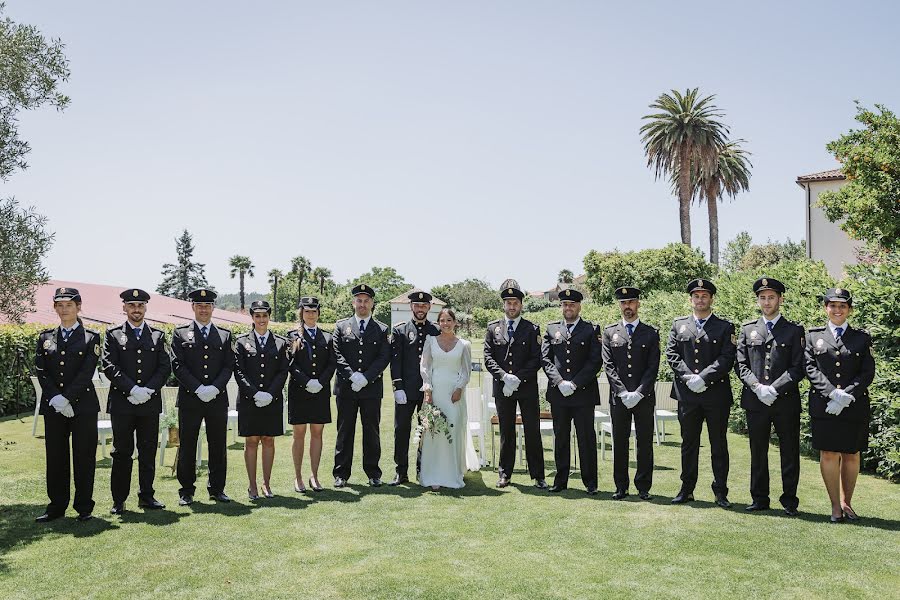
(778, 513)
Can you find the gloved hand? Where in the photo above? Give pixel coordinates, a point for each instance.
(207, 392)
(508, 391)
(695, 383)
(139, 395)
(62, 405)
(400, 397)
(149, 392)
(358, 381)
(262, 399)
(767, 394)
(631, 399)
(566, 388)
(313, 386)
(833, 407)
(839, 401)
(512, 381)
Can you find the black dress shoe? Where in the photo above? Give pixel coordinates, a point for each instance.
(399, 479)
(220, 497)
(502, 482)
(791, 512)
(683, 498)
(151, 504)
(540, 484)
(185, 500)
(47, 517)
(592, 491)
(645, 496)
(374, 482)
(620, 494)
(84, 517)
(756, 506)
(117, 509)
(339, 482)
(556, 488)
(722, 500)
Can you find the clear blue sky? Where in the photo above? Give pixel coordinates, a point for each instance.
(450, 140)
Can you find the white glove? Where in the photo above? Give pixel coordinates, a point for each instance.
(207, 392)
(833, 407)
(67, 411)
(508, 391)
(400, 397)
(767, 394)
(313, 386)
(139, 395)
(358, 381)
(695, 383)
(631, 399)
(512, 381)
(58, 401)
(566, 388)
(149, 392)
(262, 399)
(840, 400)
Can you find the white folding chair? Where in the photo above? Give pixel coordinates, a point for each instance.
(475, 419)
(666, 409)
(606, 427)
(232, 389)
(104, 423)
(169, 399)
(37, 404)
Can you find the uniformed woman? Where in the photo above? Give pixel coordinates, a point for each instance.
(313, 363)
(840, 367)
(65, 361)
(261, 368)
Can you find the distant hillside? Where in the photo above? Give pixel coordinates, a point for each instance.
(233, 301)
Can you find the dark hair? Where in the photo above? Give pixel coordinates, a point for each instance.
(451, 314)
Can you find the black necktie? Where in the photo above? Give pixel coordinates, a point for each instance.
(65, 334)
(204, 331)
(137, 333)
(630, 329)
(309, 347)
(569, 326)
(838, 332)
(362, 326)
(770, 325)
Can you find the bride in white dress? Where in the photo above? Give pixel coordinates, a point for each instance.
(446, 367)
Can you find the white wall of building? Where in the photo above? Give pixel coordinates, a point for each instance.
(825, 240)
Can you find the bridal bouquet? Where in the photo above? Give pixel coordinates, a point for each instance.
(433, 421)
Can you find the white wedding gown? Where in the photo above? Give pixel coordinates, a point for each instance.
(444, 463)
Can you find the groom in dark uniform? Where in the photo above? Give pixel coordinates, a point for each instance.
(363, 352)
(512, 355)
(407, 340)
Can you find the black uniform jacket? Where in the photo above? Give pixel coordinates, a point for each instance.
(67, 368)
(369, 354)
(631, 362)
(771, 358)
(520, 356)
(197, 362)
(128, 362)
(574, 357)
(846, 364)
(709, 353)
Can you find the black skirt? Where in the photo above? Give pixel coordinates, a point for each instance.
(254, 421)
(304, 407)
(839, 435)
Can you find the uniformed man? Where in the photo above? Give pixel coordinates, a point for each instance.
(203, 362)
(512, 355)
(406, 354)
(571, 357)
(137, 365)
(363, 352)
(770, 364)
(700, 351)
(64, 365)
(631, 360)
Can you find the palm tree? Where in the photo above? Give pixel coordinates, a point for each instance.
(300, 267)
(241, 265)
(321, 274)
(275, 275)
(685, 133)
(730, 175)
(565, 276)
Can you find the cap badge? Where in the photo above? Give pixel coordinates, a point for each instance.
(203, 293)
(568, 293)
(838, 291)
(625, 291)
(134, 293)
(420, 295)
(765, 282)
(700, 283)
(509, 291)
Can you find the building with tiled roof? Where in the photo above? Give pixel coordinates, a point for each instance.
(826, 241)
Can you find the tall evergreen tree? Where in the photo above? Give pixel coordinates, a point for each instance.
(185, 275)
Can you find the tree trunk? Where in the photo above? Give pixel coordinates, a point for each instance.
(684, 197)
(321, 286)
(299, 284)
(275, 299)
(712, 208)
(242, 290)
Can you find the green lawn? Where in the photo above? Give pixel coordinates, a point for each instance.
(478, 542)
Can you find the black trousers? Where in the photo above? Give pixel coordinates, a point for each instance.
(530, 411)
(787, 427)
(369, 409)
(189, 421)
(82, 430)
(403, 415)
(691, 417)
(583, 416)
(644, 414)
(125, 428)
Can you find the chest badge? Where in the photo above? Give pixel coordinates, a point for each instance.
(190, 336)
(820, 342)
(682, 329)
(615, 337)
(123, 339)
(754, 334)
(249, 347)
(348, 330)
(412, 336)
(558, 334)
(497, 330)
(47, 344)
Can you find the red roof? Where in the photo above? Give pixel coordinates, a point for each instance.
(101, 304)
(832, 175)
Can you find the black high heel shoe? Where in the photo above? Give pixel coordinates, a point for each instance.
(298, 487)
(251, 495)
(315, 486)
(849, 514)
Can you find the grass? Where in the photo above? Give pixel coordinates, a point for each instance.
(411, 543)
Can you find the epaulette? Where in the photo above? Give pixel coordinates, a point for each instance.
(555, 323)
(811, 329)
(185, 326)
(400, 324)
(752, 322)
(495, 321)
(611, 326)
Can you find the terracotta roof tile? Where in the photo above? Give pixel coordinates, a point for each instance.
(832, 175)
